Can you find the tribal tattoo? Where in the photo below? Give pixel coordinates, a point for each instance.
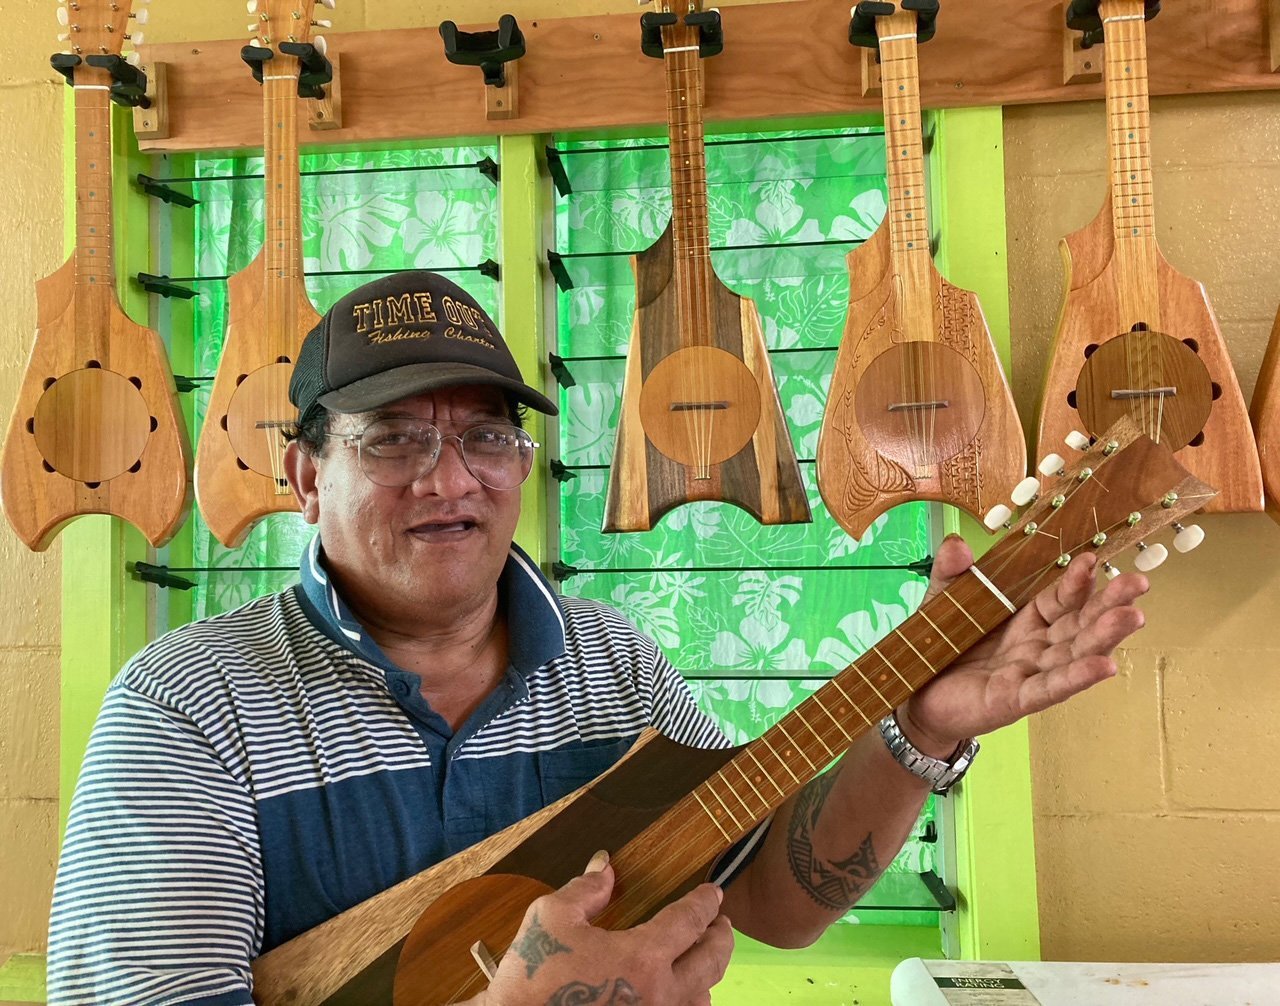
(618, 992)
(833, 884)
(536, 945)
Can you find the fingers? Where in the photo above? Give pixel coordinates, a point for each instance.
(952, 558)
(1071, 591)
(683, 922)
(704, 964)
(581, 899)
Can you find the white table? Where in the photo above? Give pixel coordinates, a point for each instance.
(917, 982)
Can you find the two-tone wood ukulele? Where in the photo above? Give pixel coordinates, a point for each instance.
(97, 427)
(1135, 337)
(918, 408)
(701, 419)
(240, 458)
(666, 812)
(1265, 413)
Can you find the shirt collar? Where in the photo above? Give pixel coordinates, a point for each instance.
(535, 620)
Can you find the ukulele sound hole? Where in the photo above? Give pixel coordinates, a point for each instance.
(700, 406)
(92, 425)
(1153, 378)
(257, 414)
(920, 403)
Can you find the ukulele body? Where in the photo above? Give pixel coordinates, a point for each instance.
(1265, 412)
(918, 407)
(761, 475)
(1095, 356)
(238, 476)
(96, 427)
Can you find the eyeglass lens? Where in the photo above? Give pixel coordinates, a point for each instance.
(396, 452)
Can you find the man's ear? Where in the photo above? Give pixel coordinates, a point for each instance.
(300, 470)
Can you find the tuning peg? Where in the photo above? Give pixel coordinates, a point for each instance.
(252, 29)
(64, 18)
(64, 36)
(1149, 556)
(133, 59)
(997, 516)
(252, 6)
(141, 16)
(1025, 491)
(331, 4)
(1110, 571)
(1187, 538)
(1053, 464)
(321, 44)
(137, 38)
(321, 22)
(1077, 441)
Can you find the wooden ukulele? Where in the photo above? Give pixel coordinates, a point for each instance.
(1265, 412)
(1135, 337)
(701, 419)
(240, 457)
(918, 407)
(96, 427)
(666, 812)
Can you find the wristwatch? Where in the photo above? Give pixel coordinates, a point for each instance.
(940, 775)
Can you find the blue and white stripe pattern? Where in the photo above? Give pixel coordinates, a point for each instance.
(256, 773)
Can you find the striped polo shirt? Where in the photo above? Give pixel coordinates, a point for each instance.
(255, 773)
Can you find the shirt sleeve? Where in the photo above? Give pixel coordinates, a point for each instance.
(158, 898)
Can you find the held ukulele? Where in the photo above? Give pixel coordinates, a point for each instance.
(701, 419)
(918, 407)
(240, 457)
(666, 812)
(96, 427)
(1135, 337)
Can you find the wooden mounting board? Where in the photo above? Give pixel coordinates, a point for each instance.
(781, 60)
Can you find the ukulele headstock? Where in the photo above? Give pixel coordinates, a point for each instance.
(1120, 491)
(277, 21)
(99, 27)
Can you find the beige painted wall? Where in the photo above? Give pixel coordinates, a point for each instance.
(1157, 820)
(1156, 829)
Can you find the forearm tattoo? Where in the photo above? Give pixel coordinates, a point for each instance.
(536, 945)
(618, 992)
(833, 884)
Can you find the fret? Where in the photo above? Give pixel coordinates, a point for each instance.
(933, 625)
(843, 732)
(711, 789)
(923, 659)
(714, 820)
(887, 703)
(764, 739)
(951, 597)
(889, 663)
(747, 779)
(791, 740)
(751, 754)
(815, 733)
(835, 683)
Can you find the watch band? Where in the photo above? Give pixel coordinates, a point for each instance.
(940, 775)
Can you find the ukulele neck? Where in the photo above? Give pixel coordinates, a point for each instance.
(282, 248)
(94, 266)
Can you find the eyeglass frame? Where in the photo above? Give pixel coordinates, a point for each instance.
(348, 438)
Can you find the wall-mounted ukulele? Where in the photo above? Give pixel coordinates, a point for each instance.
(701, 419)
(96, 427)
(240, 457)
(665, 812)
(1136, 337)
(918, 408)
(1265, 412)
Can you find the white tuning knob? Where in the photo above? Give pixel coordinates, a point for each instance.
(64, 36)
(1149, 557)
(137, 38)
(133, 59)
(252, 6)
(1051, 465)
(1025, 491)
(141, 16)
(252, 29)
(331, 4)
(1110, 570)
(321, 22)
(997, 516)
(1187, 538)
(1077, 441)
(321, 44)
(64, 18)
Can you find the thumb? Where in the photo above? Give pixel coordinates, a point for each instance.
(952, 558)
(586, 896)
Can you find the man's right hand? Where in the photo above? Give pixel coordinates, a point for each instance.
(559, 957)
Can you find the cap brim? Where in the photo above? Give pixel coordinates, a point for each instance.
(403, 382)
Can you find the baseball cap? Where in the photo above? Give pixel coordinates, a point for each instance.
(398, 336)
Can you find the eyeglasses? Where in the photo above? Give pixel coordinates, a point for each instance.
(397, 452)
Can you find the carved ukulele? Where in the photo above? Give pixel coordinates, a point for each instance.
(666, 812)
(701, 419)
(1265, 413)
(96, 427)
(918, 407)
(1135, 337)
(240, 457)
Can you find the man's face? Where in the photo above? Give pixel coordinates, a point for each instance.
(423, 554)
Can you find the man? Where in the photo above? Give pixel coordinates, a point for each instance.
(254, 774)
